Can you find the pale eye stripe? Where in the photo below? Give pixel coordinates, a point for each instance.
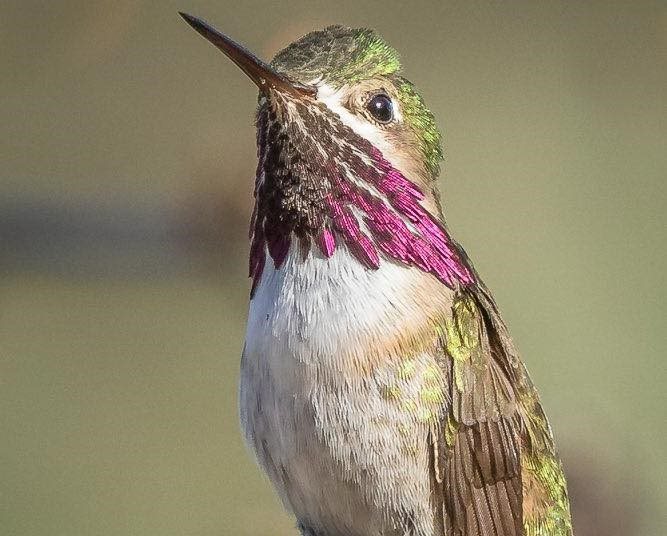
(332, 98)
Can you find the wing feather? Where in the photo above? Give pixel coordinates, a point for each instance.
(482, 488)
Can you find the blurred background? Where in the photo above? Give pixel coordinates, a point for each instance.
(127, 151)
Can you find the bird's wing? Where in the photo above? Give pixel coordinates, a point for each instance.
(477, 447)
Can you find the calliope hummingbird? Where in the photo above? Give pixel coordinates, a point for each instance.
(380, 389)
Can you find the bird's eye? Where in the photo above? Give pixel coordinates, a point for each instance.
(381, 108)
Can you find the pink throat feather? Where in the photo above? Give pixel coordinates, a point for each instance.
(395, 224)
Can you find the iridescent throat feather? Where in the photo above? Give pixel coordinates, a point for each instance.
(318, 182)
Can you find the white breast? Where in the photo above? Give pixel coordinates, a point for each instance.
(318, 308)
(315, 424)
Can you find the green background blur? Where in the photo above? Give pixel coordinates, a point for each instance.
(127, 156)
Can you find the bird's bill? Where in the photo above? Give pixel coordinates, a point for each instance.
(259, 72)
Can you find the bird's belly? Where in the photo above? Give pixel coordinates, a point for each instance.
(349, 457)
(336, 398)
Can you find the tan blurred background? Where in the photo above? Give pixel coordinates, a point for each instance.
(127, 156)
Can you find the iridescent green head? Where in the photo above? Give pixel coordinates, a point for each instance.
(360, 64)
(348, 153)
(350, 66)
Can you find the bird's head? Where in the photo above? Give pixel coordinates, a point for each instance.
(348, 155)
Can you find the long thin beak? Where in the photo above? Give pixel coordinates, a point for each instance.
(259, 72)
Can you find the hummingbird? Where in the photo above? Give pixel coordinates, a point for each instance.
(380, 389)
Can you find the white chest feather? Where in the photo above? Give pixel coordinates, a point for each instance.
(317, 309)
(316, 370)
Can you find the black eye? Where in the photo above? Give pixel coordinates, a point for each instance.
(381, 108)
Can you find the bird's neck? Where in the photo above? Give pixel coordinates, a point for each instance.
(341, 190)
